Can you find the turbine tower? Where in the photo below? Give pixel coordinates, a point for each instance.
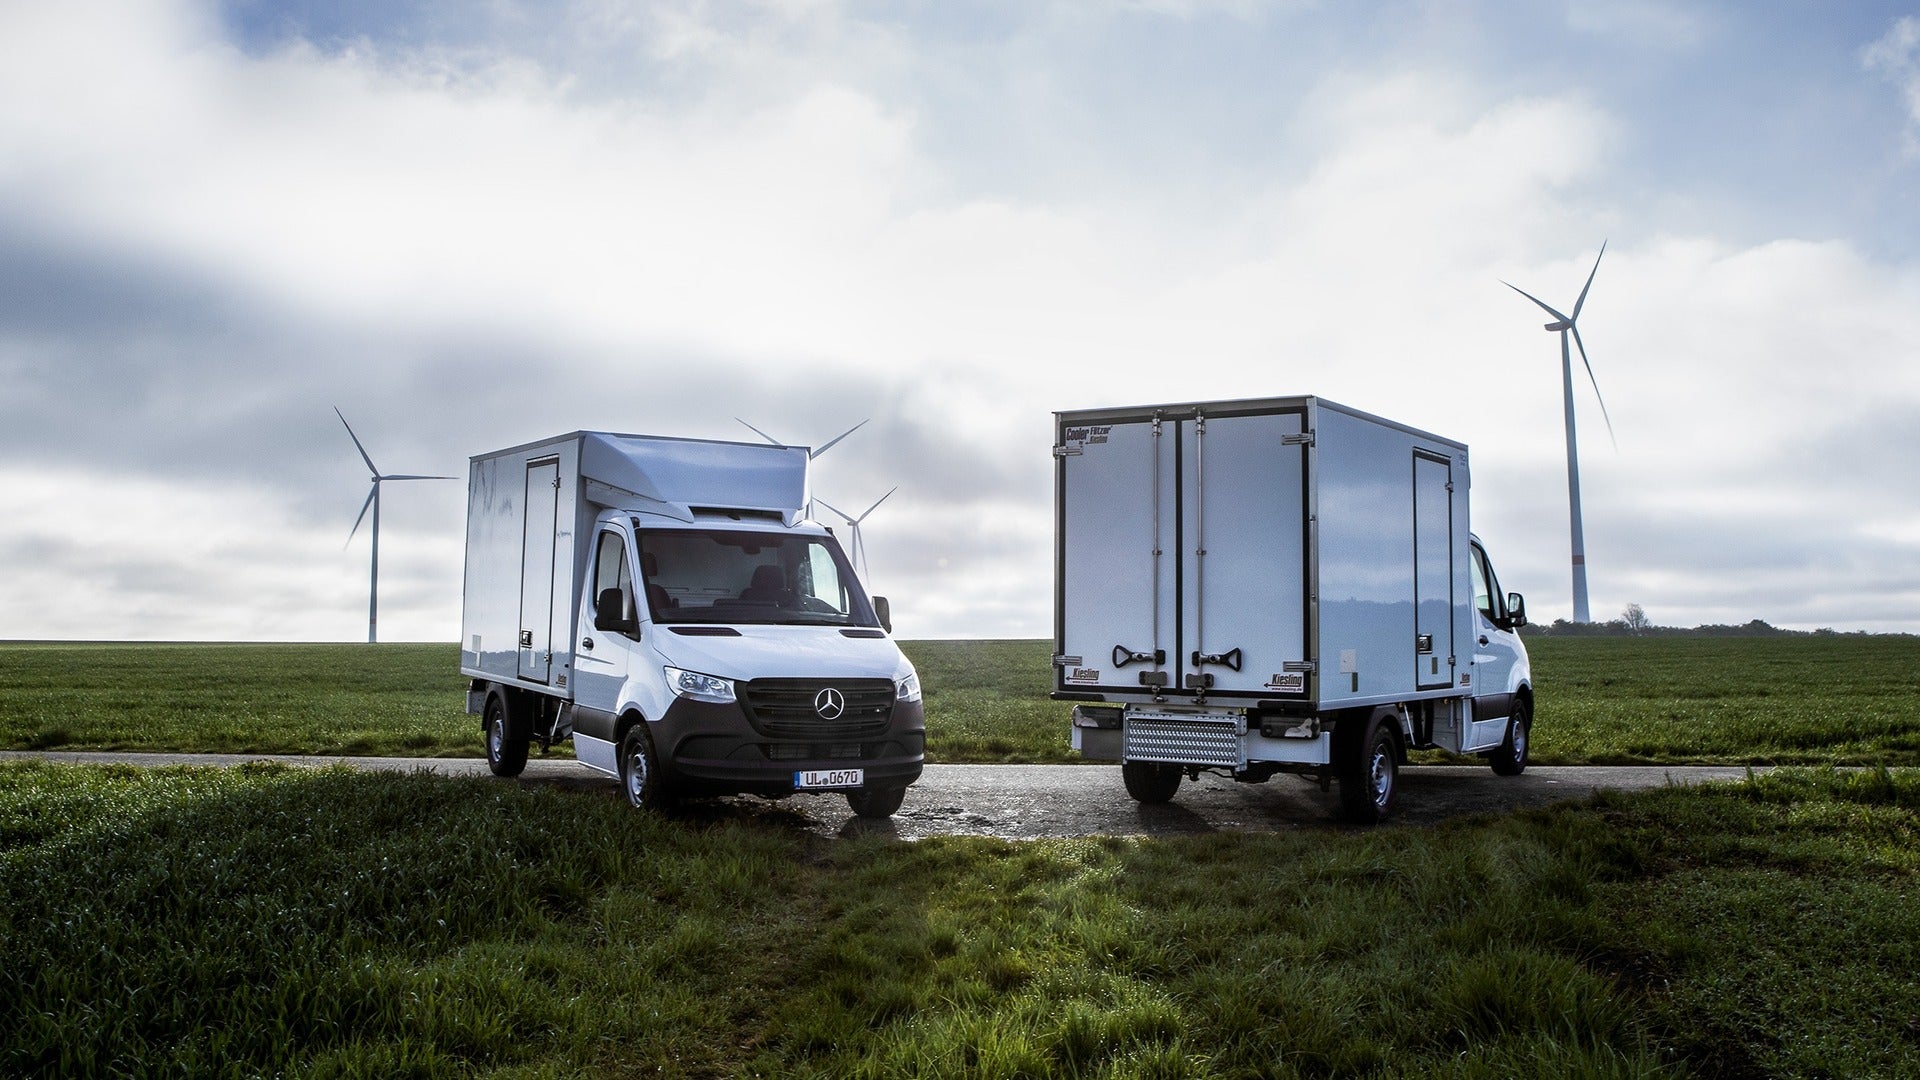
(373, 500)
(858, 556)
(1568, 326)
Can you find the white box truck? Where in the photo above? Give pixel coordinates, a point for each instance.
(1277, 585)
(667, 605)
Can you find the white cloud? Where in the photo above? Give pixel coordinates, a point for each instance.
(1897, 56)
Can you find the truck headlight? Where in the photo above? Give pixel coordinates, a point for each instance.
(908, 688)
(698, 687)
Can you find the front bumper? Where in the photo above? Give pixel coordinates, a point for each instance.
(715, 749)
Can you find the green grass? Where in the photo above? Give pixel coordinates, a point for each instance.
(272, 920)
(1838, 700)
(987, 701)
(1820, 699)
(370, 700)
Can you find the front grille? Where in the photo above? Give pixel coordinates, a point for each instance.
(1187, 742)
(785, 708)
(815, 752)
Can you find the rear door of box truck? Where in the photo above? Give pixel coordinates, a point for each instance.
(1181, 551)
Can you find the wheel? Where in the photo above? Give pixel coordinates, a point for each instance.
(506, 756)
(1150, 781)
(1369, 776)
(877, 802)
(640, 774)
(1510, 759)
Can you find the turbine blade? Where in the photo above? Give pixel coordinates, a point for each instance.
(878, 501)
(843, 514)
(818, 450)
(371, 492)
(1537, 300)
(760, 433)
(1583, 289)
(408, 476)
(1596, 386)
(356, 441)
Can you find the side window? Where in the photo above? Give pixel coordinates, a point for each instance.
(611, 571)
(823, 579)
(1486, 591)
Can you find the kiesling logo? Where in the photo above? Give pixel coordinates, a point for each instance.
(829, 704)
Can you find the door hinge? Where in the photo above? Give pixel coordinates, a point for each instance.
(1067, 451)
(1306, 666)
(1066, 661)
(1303, 438)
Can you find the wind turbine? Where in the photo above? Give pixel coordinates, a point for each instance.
(373, 500)
(816, 451)
(859, 553)
(813, 453)
(1568, 326)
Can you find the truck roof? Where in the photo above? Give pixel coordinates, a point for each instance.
(656, 473)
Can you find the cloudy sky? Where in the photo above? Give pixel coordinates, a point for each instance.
(473, 225)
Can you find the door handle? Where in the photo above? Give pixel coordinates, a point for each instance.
(587, 643)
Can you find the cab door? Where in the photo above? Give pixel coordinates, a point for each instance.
(1496, 655)
(602, 663)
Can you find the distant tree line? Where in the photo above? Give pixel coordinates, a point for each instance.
(1633, 622)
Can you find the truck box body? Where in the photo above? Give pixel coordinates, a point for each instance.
(1232, 570)
(666, 604)
(529, 515)
(1315, 541)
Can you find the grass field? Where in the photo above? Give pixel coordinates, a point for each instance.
(266, 920)
(1838, 700)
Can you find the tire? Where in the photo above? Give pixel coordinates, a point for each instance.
(1510, 758)
(1370, 773)
(506, 756)
(877, 802)
(640, 774)
(1150, 781)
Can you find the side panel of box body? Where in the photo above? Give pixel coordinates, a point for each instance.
(1391, 530)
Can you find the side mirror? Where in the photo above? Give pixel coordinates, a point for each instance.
(884, 612)
(610, 613)
(1516, 610)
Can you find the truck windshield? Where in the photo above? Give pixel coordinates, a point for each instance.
(727, 576)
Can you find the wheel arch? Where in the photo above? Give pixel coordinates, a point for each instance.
(514, 702)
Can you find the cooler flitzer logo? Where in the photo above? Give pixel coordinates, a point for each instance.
(829, 704)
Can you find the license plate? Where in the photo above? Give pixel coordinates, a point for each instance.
(829, 778)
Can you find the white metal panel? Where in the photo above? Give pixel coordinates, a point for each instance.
(695, 472)
(496, 537)
(1116, 557)
(1369, 626)
(1243, 504)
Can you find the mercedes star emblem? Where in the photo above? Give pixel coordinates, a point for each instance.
(829, 704)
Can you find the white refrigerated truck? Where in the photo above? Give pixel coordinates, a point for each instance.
(666, 604)
(1277, 585)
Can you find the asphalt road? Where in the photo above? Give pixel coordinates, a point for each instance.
(1033, 801)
